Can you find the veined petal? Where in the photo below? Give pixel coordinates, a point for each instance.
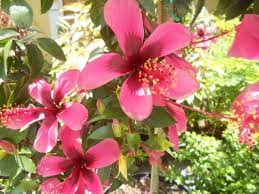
(173, 137)
(53, 165)
(125, 20)
(71, 142)
(180, 63)
(246, 42)
(179, 115)
(102, 70)
(47, 135)
(65, 83)
(74, 115)
(102, 154)
(135, 100)
(51, 186)
(72, 182)
(92, 182)
(165, 39)
(40, 91)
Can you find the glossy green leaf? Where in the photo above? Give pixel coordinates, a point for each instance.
(7, 33)
(159, 118)
(35, 59)
(25, 163)
(8, 165)
(102, 133)
(11, 135)
(21, 13)
(45, 5)
(52, 48)
(133, 139)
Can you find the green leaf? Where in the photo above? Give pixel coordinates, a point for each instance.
(25, 163)
(13, 136)
(104, 173)
(102, 133)
(159, 118)
(7, 33)
(237, 8)
(35, 59)
(149, 6)
(7, 50)
(8, 166)
(5, 5)
(256, 6)
(21, 13)
(26, 186)
(45, 5)
(133, 139)
(52, 48)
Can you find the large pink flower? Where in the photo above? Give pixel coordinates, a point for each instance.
(71, 114)
(246, 109)
(153, 71)
(246, 43)
(83, 177)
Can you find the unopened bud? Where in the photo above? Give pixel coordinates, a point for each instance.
(116, 127)
(100, 106)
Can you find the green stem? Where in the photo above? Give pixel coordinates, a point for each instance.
(154, 180)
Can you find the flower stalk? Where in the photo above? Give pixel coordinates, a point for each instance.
(154, 184)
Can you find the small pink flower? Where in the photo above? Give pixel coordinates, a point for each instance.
(83, 177)
(152, 68)
(246, 42)
(7, 147)
(246, 109)
(71, 114)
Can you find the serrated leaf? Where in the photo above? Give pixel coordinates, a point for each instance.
(45, 5)
(35, 59)
(102, 133)
(159, 118)
(21, 13)
(123, 166)
(25, 163)
(52, 48)
(7, 33)
(149, 6)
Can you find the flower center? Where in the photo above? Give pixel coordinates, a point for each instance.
(158, 75)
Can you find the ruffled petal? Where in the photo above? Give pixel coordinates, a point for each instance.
(135, 100)
(246, 42)
(92, 182)
(102, 154)
(173, 137)
(47, 135)
(102, 70)
(66, 82)
(53, 165)
(71, 142)
(51, 186)
(179, 115)
(165, 39)
(125, 19)
(74, 115)
(40, 91)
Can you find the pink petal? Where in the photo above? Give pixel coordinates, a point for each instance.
(64, 84)
(165, 39)
(159, 100)
(51, 186)
(53, 165)
(106, 68)
(92, 182)
(135, 100)
(72, 182)
(185, 83)
(47, 135)
(179, 115)
(7, 147)
(41, 92)
(180, 63)
(17, 118)
(103, 154)
(74, 115)
(246, 42)
(125, 19)
(173, 137)
(71, 142)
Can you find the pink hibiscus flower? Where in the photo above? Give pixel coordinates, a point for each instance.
(246, 42)
(83, 177)
(153, 71)
(246, 109)
(71, 114)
